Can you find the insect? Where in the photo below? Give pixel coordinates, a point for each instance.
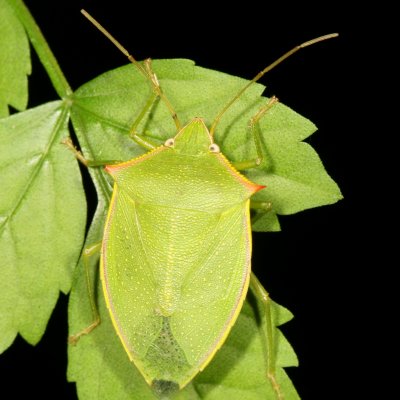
(176, 251)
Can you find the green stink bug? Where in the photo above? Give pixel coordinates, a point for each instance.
(204, 201)
(177, 246)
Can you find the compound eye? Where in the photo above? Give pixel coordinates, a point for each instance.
(169, 142)
(214, 148)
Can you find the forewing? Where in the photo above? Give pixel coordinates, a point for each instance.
(127, 278)
(213, 294)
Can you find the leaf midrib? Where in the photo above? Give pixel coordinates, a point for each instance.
(37, 168)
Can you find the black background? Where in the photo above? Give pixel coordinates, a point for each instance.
(313, 267)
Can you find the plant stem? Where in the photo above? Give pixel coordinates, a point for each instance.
(42, 49)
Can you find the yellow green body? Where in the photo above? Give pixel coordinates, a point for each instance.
(175, 262)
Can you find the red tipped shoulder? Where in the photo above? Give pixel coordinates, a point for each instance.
(259, 187)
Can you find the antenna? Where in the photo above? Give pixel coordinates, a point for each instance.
(147, 72)
(264, 71)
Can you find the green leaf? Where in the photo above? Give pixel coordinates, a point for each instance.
(14, 61)
(294, 175)
(42, 219)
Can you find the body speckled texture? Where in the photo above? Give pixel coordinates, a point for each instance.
(176, 254)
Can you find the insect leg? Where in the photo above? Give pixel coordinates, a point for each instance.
(133, 133)
(259, 209)
(84, 161)
(255, 129)
(268, 328)
(88, 253)
(261, 205)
